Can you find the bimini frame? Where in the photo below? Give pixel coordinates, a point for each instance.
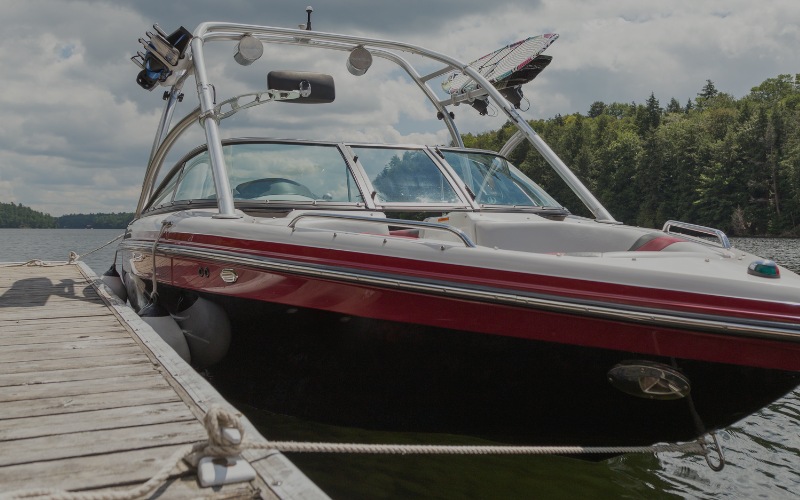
(209, 113)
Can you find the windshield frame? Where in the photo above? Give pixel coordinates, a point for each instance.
(463, 196)
(463, 200)
(169, 182)
(556, 207)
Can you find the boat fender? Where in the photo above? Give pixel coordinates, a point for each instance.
(166, 328)
(135, 288)
(207, 330)
(112, 280)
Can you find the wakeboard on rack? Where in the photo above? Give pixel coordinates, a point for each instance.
(506, 68)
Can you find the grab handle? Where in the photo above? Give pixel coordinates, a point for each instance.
(722, 237)
(393, 222)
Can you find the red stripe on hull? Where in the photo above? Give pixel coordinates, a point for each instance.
(649, 298)
(402, 306)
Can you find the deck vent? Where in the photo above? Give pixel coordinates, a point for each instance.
(228, 275)
(649, 380)
(764, 269)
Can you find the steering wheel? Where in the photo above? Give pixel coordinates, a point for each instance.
(273, 186)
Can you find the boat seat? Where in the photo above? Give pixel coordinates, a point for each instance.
(578, 238)
(405, 233)
(654, 242)
(554, 237)
(344, 225)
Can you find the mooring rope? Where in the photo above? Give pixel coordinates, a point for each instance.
(30, 263)
(217, 419)
(72, 258)
(424, 449)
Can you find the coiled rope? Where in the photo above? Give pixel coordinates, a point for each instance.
(217, 446)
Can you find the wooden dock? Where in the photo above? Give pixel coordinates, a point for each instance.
(91, 398)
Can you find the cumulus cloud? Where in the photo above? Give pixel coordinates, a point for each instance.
(77, 131)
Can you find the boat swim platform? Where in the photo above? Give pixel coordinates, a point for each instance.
(91, 398)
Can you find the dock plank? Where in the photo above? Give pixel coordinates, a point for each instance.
(81, 444)
(86, 334)
(128, 467)
(78, 388)
(112, 358)
(76, 374)
(59, 354)
(87, 402)
(109, 418)
(35, 349)
(14, 297)
(21, 327)
(46, 313)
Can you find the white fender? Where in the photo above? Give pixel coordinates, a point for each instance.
(208, 331)
(112, 280)
(166, 328)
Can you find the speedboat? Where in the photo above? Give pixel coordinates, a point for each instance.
(433, 288)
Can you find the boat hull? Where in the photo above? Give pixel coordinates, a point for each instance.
(646, 320)
(393, 376)
(351, 352)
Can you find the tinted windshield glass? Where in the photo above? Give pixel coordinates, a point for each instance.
(405, 176)
(289, 172)
(494, 181)
(196, 180)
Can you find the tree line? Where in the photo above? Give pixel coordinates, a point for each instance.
(728, 163)
(14, 215)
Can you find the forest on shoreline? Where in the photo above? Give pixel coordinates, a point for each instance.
(13, 215)
(732, 164)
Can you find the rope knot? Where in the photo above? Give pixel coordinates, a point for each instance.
(225, 436)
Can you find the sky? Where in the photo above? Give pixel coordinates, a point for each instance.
(76, 131)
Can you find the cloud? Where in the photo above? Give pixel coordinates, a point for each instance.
(77, 131)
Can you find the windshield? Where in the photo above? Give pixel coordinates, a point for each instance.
(494, 181)
(266, 172)
(289, 172)
(404, 176)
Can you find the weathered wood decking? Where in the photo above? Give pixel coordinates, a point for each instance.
(90, 397)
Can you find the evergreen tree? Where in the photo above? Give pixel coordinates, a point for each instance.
(708, 91)
(674, 106)
(596, 109)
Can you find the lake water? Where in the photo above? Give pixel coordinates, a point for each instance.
(22, 245)
(762, 451)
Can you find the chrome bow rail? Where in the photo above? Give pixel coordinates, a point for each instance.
(710, 231)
